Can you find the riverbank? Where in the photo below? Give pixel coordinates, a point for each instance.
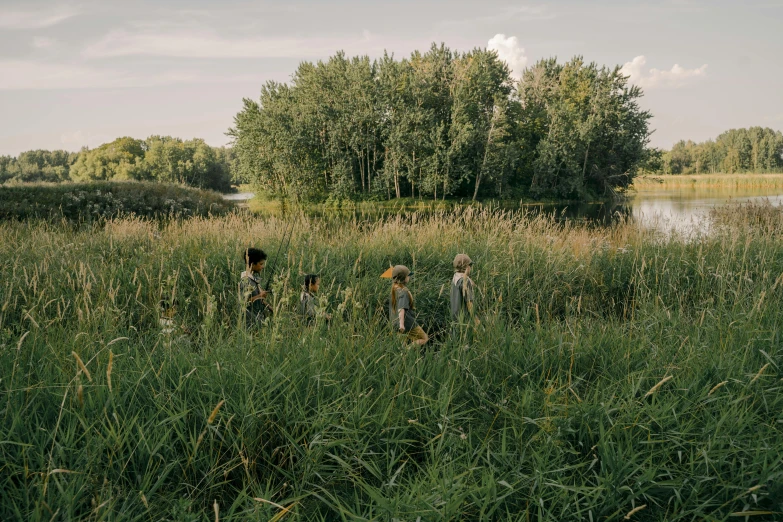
(708, 181)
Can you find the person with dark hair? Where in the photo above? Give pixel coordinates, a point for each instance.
(401, 307)
(308, 302)
(250, 287)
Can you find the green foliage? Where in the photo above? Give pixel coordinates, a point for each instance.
(102, 200)
(37, 165)
(440, 124)
(558, 411)
(755, 149)
(158, 158)
(585, 131)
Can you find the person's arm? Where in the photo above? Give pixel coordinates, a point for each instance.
(402, 320)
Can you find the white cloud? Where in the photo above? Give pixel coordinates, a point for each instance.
(203, 43)
(675, 77)
(19, 75)
(509, 51)
(33, 19)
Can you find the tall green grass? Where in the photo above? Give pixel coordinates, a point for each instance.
(615, 372)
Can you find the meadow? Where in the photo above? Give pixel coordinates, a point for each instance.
(617, 374)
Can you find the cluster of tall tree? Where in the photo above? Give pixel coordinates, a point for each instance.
(441, 124)
(158, 158)
(37, 165)
(755, 149)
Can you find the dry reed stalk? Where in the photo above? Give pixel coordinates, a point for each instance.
(214, 413)
(714, 388)
(81, 366)
(657, 386)
(217, 511)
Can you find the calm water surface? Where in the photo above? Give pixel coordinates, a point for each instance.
(683, 210)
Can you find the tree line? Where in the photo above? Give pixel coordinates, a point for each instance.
(442, 124)
(158, 158)
(755, 149)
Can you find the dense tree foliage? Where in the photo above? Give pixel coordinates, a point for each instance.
(158, 158)
(755, 149)
(440, 124)
(37, 165)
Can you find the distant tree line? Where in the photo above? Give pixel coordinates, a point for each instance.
(158, 158)
(755, 149)
(442, 124)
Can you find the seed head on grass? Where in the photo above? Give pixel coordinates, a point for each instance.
(81, 366)
(108, 369)
(657, 386)
(633, 511)
(761, 371)
(715, 388)
(214, 413)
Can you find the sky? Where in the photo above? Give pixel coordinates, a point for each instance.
(83, 73)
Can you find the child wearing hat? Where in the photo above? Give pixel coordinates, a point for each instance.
(462, 292)
(401, 306)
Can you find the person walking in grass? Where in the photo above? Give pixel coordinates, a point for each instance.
(401, 307)
(252, 293)
(462, 295)
(309, 305)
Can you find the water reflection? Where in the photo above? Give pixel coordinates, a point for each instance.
(685, 210)
(682, 210)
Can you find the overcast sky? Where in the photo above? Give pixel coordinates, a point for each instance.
(84, 73)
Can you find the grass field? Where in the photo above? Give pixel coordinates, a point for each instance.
(701, 181)
(617, 374)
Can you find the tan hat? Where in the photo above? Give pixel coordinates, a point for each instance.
(400, 272)
(462, 261)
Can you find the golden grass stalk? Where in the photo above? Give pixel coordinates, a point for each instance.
(108, 369)
(634, 510)
(81, 366)
(214, 413)
(80, 395)
(714, 388)
(657, 386)
(761, 371)
(217, 511)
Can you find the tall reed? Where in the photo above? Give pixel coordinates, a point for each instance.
(616, 373)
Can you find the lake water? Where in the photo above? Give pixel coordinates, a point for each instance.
(684, 209)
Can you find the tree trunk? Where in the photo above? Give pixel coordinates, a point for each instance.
(361, 169)
(484, 161)
(584, 167)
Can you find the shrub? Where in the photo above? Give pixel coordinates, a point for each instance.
(107, 199)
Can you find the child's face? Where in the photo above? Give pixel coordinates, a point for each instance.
(257, 267)
(315, 284)
(169, 312)
(407, 279)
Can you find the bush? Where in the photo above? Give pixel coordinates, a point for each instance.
(108, 199)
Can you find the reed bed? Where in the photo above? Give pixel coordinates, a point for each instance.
(617, 374)
(709, 181)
